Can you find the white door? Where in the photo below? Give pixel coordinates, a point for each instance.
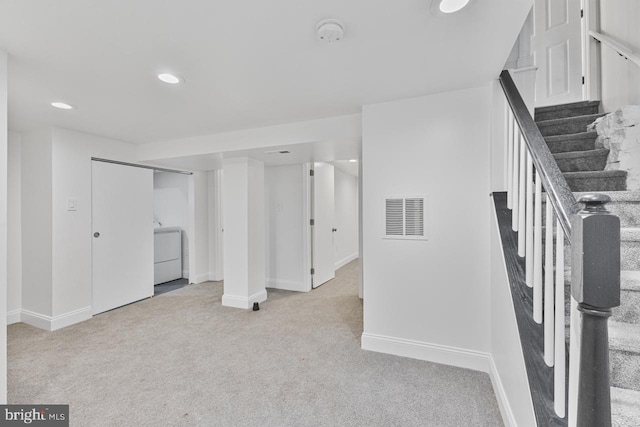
(122, 240)
(557, 45)
(323, 253)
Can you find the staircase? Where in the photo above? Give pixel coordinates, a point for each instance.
(582, 164)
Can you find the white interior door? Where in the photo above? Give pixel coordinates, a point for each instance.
(557, 45)
(122, 241)
(323, 230)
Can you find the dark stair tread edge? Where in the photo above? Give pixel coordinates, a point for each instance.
(567, 106)
(568, 155)
(594, 174)
(571, 137)
(553, 122)
(531, 334)
(624, 337)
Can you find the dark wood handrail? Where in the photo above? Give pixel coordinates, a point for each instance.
(558, 192)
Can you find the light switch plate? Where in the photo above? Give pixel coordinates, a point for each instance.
(72, 204)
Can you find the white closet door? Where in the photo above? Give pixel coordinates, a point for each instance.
(122, 222)
(557, 42)
(323, 216)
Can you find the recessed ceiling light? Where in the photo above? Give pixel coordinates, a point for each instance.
(169, 78)
(352, 161)
(451, 6)
(62, 105)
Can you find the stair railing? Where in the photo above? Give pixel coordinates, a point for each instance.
(593, 235)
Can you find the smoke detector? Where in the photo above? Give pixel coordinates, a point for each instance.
(330, 30)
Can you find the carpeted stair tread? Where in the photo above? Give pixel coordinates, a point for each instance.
(630, 234)
(596, 180)
(624, 354)
(566, 125)
(628, 311)
(625, 407)
(616, 196)
(625, 204)
(578, 161)
(566, 110)
(630, 280)
(580, 141)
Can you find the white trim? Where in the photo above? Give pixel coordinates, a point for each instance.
(13, 316)
(237, 301)
(346, 260)
(443, 354)
(288, 285)
(71, 318)
(508, 417)
(200, 278)
(213, 277)
(49, 323)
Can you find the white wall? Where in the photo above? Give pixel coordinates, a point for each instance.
(199, 223)
(429, 299)
(216, 247)
(37, 222)
(3, 227)
(285, 241)
(346, 218)
(620, 77)
(14, 221)
(510, 376)
(171, 207)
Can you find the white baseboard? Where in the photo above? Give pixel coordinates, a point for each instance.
(49, 323)
(508, 417)
(288, 285)
(200, 278)
(214, 277)
(237, 301)
(437, 353)
(13, 317)
(346, 260)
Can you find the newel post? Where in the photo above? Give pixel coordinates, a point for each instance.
(595, 285)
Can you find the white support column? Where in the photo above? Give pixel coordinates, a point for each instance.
(529, 223)
(559, 370)
(549, 295)
(3, 227)
(244, 232)
(537, 252)
(522, 197)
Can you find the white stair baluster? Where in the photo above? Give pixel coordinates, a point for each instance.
(537, 252)
(509, 116)
(549, 295)
(521, 199)
(529, 223)
(574, 362)
(515, 213)
(559, 370)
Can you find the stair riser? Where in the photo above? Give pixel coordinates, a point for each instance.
(598, 184)
(591, 163)
(625, 369)
(629, 310)
(572, 145)
(566, 112)
(567, 126)
(630, 255)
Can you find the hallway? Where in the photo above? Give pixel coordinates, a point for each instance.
(181, 358)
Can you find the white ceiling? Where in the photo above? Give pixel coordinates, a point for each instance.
(246, 63)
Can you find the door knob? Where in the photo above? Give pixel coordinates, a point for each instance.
(96, 234)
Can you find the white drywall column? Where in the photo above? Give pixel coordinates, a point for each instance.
(3, 227)
(215, 225)
(14, 233)
(198, 228)
(244, 232)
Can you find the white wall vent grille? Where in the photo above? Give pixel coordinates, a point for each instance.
(404, 217)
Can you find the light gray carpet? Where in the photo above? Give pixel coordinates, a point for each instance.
(181, 359)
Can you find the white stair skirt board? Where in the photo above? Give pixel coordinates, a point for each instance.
(49, 323)
(445, 355)
(346, 260)
(288, 285)
(243, 302)
(13, 317)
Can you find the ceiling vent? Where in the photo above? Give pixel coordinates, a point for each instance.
(404, 217)
(330, 30)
